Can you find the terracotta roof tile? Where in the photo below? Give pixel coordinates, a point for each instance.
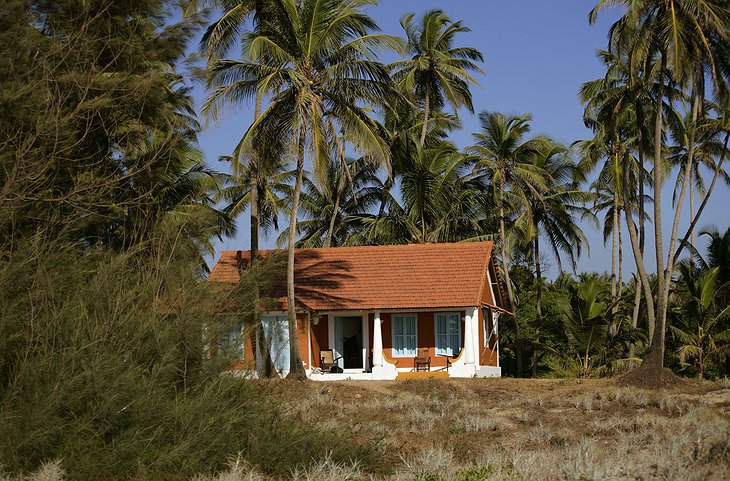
(377, 277)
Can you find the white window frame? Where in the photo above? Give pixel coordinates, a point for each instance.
(444, 352)
(405, 353)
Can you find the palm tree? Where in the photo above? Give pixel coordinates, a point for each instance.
(700, 329)
(707, 148)
(273, 184)
(437, 71)
(314, 62)
(248, 179)
(441, 202)
(616, 108)
(717, 257)
(689, 37)
(552, 215)
(332, 205)
(503, 156)
(586, 320)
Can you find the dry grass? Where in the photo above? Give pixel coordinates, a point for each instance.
(500, 429)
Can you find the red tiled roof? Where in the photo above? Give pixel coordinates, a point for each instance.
(377, 277)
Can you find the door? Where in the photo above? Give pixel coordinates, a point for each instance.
(349, 341)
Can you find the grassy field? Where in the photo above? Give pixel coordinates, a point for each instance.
(474, 429)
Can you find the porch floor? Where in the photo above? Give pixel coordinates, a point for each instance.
(341, 376)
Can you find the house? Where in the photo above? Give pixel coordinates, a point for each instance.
(377, 306)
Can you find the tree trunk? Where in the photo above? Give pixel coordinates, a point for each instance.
(296, 369)
(538, 306)
(639, 258)
(505, 268)
(635, 316)
(266, 368)
(620, 280)
(426, 108)
(693, 236)
(338, 194)
(614, 249)
(333, 217)
(642, 231)
(538, 275)
(718, 169)
(655, 357)
(665, 274)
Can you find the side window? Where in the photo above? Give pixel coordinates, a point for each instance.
(230, 344)
(405, 335)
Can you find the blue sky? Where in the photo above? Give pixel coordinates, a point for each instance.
(537, 53)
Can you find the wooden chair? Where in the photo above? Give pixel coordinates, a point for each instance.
(422, 360)
(328, 361)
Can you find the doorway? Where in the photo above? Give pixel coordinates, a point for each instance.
(348, 341)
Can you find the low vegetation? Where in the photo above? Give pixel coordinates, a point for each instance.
(501, 429)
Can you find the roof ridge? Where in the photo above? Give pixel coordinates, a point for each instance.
(379, 246)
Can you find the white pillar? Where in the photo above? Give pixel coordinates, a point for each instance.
(377, 341)
(365, 342)
(469, 338)
(475, 335)
(309, 340)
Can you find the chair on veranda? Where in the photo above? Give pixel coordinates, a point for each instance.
(423, 360)
(328, 362)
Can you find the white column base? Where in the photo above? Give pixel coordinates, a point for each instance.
(461, 369)
(385, 372)
(489, 371)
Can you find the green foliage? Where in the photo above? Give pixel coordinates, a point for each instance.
(104, 363)
(700, 322)
(475, 472)
(436, 72)
(98, 128)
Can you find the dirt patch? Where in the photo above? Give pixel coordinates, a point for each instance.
(651, 377)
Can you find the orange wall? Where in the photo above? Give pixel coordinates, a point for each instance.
(320, 338)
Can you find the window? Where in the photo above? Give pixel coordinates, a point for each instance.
(405, 338)
(230, 344)
(276, 331)
(448, 333)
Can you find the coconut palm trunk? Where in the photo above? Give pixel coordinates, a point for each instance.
(639, 259)
(665, 274)
(701, 208)
(338, 194)
(505, 268)
(265, 368)
(426, 108)
(296, 369)
(620, 280)
(655, 357)
(538, 305)
(614, 248)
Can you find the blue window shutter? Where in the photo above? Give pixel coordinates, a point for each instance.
(448, 333)
(411, 340)
(441, 335)
(405, 335)
(454, 332)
